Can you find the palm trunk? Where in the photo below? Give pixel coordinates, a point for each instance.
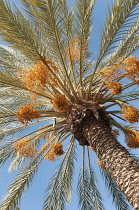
(115, 158)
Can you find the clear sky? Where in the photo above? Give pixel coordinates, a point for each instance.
(33, 198)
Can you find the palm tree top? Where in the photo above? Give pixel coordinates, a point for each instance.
(51, 81)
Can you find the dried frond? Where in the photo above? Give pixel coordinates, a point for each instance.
(60, 102)
(130, 113)
(114, 87)
(27, 113)
(132, 139)
(100, 163)
(24, 148)
(131, 67)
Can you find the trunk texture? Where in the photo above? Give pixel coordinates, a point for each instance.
(115, 158)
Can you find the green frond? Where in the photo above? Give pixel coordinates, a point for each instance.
(51, 84)
(84, 28)
(89, 196)
(95, 193)
(115, 25)
(126, 46)
(19, 32)
(12, 60)
(7, 79)
(130, 96)
(49, 18)
(16, 162)
(68, 26)
(53, 23)
(59, 191)
(5, 154)
(20, 183)
(118, 198)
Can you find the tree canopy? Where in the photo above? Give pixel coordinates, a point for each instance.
(50, 80)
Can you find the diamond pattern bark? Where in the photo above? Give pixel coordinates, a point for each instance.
(116, 159)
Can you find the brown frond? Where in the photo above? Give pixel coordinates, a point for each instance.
(130, 113)
(27, 113)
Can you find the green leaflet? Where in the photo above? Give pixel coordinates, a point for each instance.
(59, 191)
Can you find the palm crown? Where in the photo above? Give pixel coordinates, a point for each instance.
(50, 78)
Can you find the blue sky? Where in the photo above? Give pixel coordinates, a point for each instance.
(33, 198)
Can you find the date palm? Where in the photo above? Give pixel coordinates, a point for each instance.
(56, 90)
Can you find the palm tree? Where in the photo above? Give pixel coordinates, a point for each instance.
(56, 90)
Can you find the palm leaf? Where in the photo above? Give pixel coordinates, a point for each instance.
(118, 197)
(95, 192)
(59, 190)
(19, 33)
(89, 196)
(20, 183)
(116, 23)
(84, 23)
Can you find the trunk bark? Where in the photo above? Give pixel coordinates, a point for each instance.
(115, 158)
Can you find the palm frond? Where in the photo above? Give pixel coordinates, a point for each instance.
(116, 23)
(16, 162)
(21, 183)
(52, 21)
(58, 192)
(125, 47)
(95, 192)
(19, 32)
(12, 60)
(84, 23)
(119, 18)
(7, 79)
(47, 63)
(89, 196)
(130, 96)
(68, 29)
(7, 148)
(118, 197)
